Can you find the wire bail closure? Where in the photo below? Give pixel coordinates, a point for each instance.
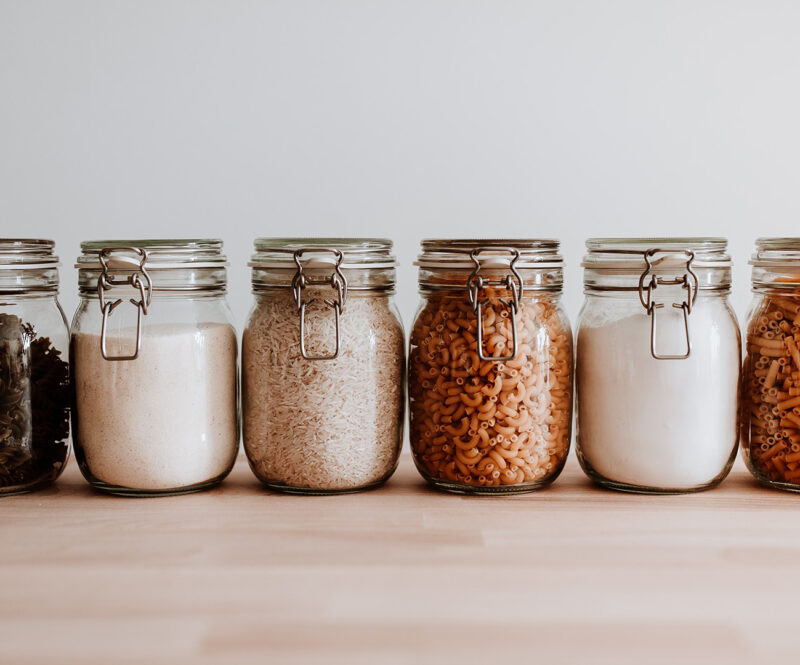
(511, 282)
(336, 281)
(106, 282)
(687, 281)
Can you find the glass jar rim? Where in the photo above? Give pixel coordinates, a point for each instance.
(27, 254)
(347, 253)
(638, 253)
(776, 252)
(162, 254)
(454, 253)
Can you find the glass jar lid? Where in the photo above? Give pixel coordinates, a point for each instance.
(458, 253)
(633, 253)
(360, 263)
(163, 254)
(665, 273)
(776, 263)
(622, 263)
(323, 271)
(321, 252)
(531, 264)
(28, 265)
(133, 271)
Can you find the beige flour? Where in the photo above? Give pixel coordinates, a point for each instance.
(165, 420)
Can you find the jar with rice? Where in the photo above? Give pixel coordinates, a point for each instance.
(490, 366)
(323, 364)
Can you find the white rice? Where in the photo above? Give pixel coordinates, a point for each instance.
(323, 424)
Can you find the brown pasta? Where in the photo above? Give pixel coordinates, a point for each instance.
(770, 410)
(486, 423)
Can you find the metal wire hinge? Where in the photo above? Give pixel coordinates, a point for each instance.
(139, 279)
(336, 281)
(511, 282)
(688, 281)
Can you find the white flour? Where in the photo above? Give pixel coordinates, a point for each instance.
(165, 420)
(666, 424)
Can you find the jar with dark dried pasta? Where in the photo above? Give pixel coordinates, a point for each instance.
(490, 366)
(34, 372)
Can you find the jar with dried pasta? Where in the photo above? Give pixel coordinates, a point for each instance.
(323, 362)
(770, 410)
(490, 366)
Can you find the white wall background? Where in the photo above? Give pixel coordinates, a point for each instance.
(405, 119)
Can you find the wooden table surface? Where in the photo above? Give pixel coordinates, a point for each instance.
(571, 574)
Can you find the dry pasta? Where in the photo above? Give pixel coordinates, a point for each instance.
(770, 410)
(485, 423)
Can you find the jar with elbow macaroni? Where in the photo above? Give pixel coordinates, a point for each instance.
(490, 366)
(770, 413)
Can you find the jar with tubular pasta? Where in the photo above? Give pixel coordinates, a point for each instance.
(770, 411)
(490, 366)
(657, 365)
(323, 364)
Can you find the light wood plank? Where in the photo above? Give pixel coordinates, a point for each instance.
(570, 574)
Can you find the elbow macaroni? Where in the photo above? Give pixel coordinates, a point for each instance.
(513, 427)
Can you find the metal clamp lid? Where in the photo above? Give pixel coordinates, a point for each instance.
(113, 258)
(512, 282)
(687, 281)
(336, 280)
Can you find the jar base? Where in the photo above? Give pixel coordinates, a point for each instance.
(781, 487)
(129, 492)
(309, 491)
(628, 488)
(470, 490)
(35, 486)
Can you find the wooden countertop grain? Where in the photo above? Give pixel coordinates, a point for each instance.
(570, 574)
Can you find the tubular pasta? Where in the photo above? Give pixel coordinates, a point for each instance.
(770, 413)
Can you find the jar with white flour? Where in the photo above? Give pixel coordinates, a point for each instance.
(657, 370)
(154, 367)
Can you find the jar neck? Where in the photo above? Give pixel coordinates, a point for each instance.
(29, 281)
(182, 282)
(356, 279)
(705, 280)
(529, 281)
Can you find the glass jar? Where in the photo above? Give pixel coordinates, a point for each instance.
(770, 412)
(154, 359)
(323, 361)
(657, 366)
(490, 366)
(34, 372)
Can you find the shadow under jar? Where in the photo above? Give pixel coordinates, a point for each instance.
(490, 366)
(657, 366)
(34, 372)
(154, 358)
(770, 412)
(323, 360)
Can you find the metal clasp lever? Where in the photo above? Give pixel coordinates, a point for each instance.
(140, 279)
(336, 281)
(688, 281)
(512, 282)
